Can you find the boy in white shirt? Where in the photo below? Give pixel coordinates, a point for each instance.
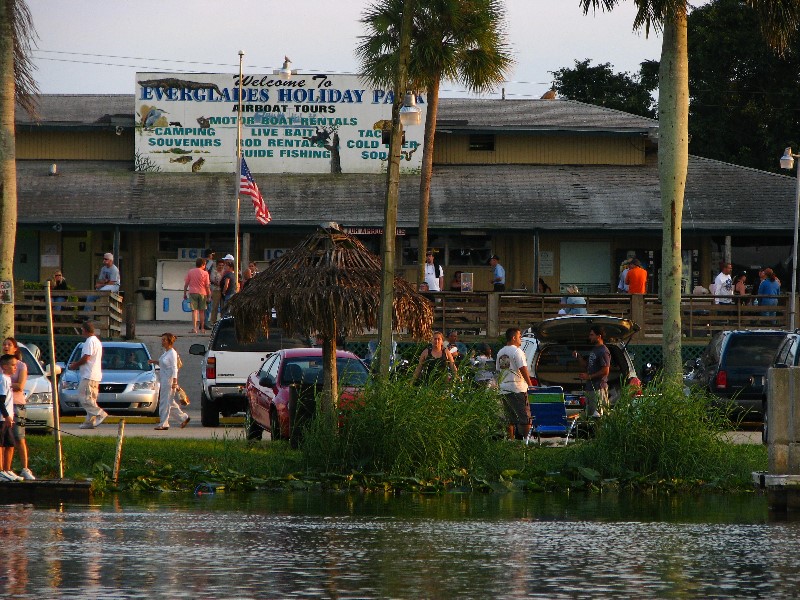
(8, 363)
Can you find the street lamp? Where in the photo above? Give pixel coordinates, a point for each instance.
(410, 113)
(787, 162)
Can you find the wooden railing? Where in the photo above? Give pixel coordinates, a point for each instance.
(489, 314)
(70, 308)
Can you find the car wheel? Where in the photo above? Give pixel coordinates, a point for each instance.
(209, 413)
(275, 425)
(764, 430)
(252, 429)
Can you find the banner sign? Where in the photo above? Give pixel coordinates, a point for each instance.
(308, 124)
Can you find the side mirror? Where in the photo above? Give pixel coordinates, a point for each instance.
(197, 349)
(59, 368)
(266, 381)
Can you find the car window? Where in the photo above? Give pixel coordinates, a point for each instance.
(782, 357)
(791, 357)
(34, 368)
(308, 370)
(273, 368)
(264, 370)
(751, 350)
(125, 359)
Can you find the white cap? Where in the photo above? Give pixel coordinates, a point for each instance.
(108, 256)
(228, 257)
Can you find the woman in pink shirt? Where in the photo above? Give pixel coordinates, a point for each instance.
(197, 286)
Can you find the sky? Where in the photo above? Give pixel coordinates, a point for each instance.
(97, 46)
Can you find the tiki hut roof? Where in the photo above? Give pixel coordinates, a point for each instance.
(330, 284)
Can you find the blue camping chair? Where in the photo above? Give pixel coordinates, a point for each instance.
(549, 414)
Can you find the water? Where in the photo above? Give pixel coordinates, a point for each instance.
(285, 545)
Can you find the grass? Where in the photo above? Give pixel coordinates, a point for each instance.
(433, 439)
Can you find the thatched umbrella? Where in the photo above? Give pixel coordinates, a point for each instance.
(330, 286)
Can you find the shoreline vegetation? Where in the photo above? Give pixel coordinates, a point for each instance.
(434, 439)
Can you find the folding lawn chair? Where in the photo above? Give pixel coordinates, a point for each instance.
(549, 414)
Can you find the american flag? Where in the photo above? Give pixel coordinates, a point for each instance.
(248, 187)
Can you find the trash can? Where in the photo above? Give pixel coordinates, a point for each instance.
(146, 299)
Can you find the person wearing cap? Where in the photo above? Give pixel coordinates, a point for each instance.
(107, 280)
(227, 284)
(498, 274)
(434, 273)
(622, 287)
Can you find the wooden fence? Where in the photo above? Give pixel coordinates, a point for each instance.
(70, 308)
(489, 314)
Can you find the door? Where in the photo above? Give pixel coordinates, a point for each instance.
(26, 256)
(77, 260)
(587, 265)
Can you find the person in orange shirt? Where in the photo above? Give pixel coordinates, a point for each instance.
(636, 278)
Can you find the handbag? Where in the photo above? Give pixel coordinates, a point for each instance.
(180, 396)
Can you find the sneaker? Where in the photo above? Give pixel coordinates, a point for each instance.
(13, 476)
(26, 474)
(86, 425)
(596, 415)
(4, 476)
(100, 419)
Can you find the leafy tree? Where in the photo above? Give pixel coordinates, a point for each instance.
(16, 85)
(599, 84)
(457, 40)
(779, 20)
(743, 95)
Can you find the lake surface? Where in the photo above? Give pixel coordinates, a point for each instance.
(312, 545)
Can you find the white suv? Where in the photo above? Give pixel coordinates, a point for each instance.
(227, 363)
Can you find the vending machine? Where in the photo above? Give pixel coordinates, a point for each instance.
(170, 277)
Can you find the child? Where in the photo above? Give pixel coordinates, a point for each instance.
(8, 364)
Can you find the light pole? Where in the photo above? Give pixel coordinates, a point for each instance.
(787, 162)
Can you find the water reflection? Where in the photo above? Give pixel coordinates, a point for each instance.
(340, 545)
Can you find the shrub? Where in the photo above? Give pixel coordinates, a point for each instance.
(663, 433)
(403, 430)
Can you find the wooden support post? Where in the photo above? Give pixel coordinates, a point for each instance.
(118, 455)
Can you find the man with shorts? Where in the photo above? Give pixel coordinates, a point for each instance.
(513, 381)
(8, 364)
(198, 286)
(91, 372)
(598, 365)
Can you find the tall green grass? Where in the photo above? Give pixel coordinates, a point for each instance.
(663, 433)
(400, 429)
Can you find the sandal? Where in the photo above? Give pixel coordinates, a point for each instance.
(160, 428)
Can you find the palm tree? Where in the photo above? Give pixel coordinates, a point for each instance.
(457, 40)
(16, 85)
(778, 18)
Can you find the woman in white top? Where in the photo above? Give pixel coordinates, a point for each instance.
(168, 379)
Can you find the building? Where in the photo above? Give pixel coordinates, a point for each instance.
(559, 189)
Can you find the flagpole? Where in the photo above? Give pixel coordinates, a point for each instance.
(238, 173)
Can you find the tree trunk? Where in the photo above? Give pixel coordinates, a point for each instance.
(673, 160)
(8, 169)
(392, 198)
(426, 175)
(330, 385)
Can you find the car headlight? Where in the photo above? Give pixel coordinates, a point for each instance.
(69, 385)
(145, 385)
(40, 398)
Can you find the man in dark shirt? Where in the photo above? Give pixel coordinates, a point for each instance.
(598, 365)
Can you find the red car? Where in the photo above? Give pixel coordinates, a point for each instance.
(280, 395)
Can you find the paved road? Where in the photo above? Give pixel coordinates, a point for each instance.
(150, 333)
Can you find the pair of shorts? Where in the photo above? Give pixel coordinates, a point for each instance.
(6, 436)
(198, 301)
(20, 414)
(518, 411)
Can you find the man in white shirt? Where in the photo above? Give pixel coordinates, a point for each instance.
(723, 285)
(513, 380)
(434, 273)
(90, 367)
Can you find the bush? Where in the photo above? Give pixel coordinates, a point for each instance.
(663, 433)
(403, 430)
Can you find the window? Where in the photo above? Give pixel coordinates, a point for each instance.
(481, 142)
(452, 250)
(170, 241)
